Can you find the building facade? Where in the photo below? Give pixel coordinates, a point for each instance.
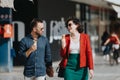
(54, 13)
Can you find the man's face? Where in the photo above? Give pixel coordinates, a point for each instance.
(39, 28)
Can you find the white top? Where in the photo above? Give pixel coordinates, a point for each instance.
(74, 47)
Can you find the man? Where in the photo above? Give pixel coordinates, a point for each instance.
(36, 50)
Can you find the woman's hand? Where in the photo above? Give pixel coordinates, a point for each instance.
(91, 74)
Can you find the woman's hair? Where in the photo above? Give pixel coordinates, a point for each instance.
(34, 23)
(76, 22)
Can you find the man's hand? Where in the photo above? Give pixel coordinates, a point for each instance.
(50, 71)
(34, 46)
(31, 49)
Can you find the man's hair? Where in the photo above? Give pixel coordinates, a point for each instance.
(34, 23)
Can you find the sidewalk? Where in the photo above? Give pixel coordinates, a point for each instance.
(17, 73)
(103, 71)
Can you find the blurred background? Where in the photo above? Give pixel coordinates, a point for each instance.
(16, 15)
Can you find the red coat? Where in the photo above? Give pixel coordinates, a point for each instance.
(86, 58)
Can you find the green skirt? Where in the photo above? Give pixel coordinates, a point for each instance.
(73, 71)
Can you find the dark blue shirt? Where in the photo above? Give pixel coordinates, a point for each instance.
(37, 61)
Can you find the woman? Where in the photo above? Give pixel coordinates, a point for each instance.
(76, 52)
(114, 42)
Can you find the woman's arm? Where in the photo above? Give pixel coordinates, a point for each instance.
(107, 41)
(63, 47)
(63, 41)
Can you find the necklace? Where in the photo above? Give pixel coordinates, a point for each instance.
(75, 38)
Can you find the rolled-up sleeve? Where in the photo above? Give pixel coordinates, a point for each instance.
(22, 48)
(89, 54)
(63, 52)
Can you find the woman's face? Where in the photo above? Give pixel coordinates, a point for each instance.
(72, 27)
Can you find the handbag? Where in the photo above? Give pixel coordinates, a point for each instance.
(49, 71)
(60, 72)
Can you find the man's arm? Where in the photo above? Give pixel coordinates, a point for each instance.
(23, 49)
(48, 57)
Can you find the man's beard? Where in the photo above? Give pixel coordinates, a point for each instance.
(38, 34)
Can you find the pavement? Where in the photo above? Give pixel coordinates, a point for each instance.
(102, 71)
